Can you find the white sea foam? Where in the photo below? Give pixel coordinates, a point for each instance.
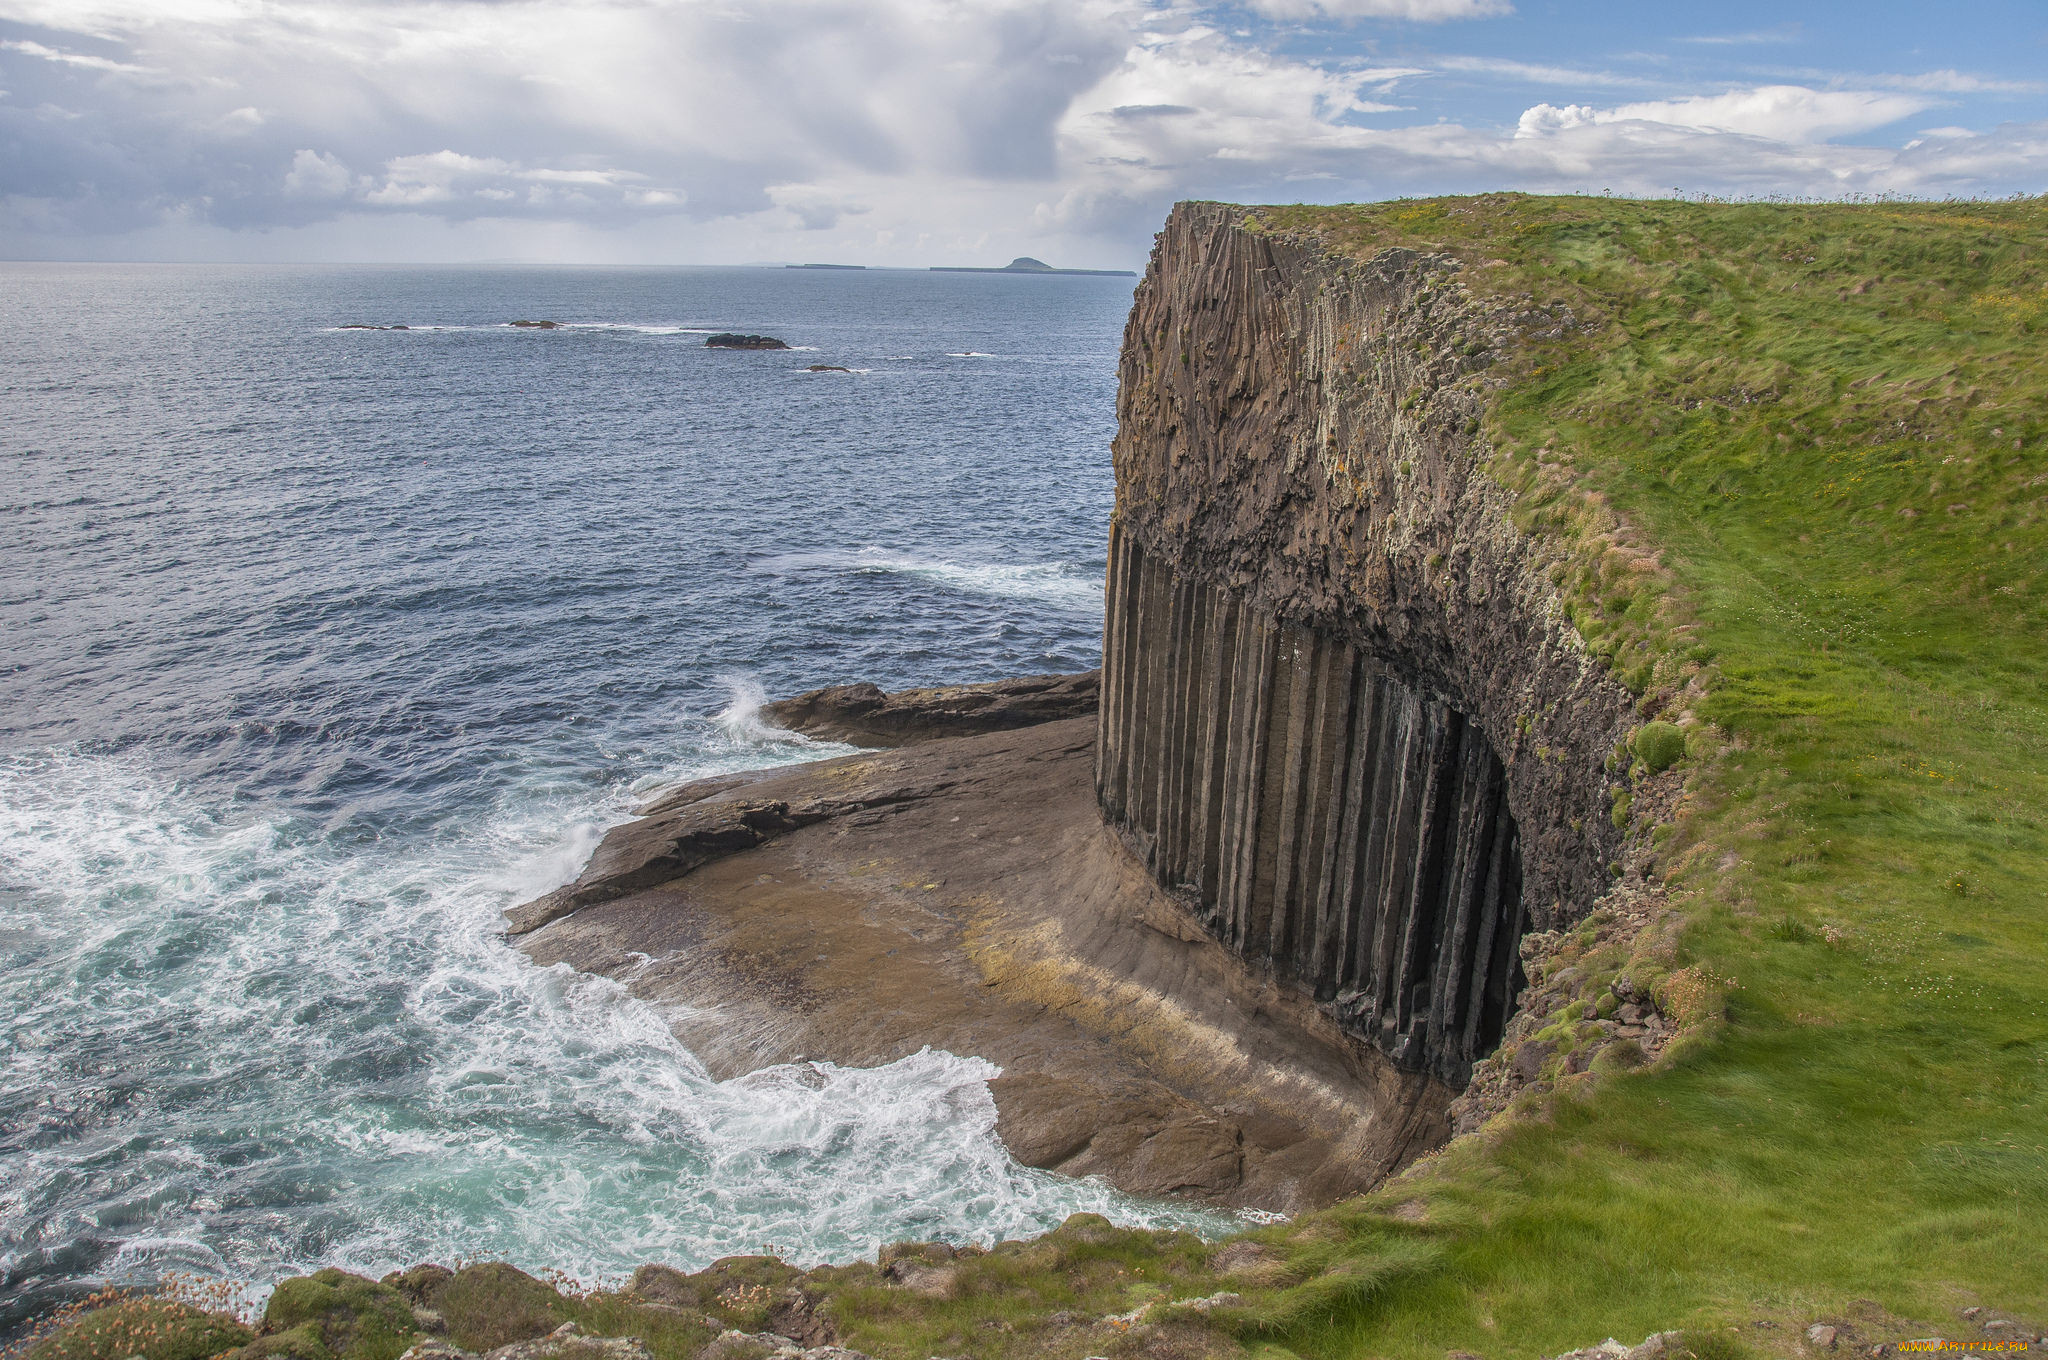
(740, 720)
(262, 1048)
(1053, 583)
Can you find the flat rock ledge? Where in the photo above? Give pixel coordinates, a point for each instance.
(963, 893)
(864, 715)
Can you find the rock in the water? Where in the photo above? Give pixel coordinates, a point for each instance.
(539, 325)
(827, 368)
(865, 715)
(729, 341)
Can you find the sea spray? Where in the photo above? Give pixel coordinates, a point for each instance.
(343, 641)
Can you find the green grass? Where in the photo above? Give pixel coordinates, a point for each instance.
(1828, 422)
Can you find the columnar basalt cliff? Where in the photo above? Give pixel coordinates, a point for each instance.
(1343, 711)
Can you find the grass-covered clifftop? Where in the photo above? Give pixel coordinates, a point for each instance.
(1828, 426)
(1793, 462)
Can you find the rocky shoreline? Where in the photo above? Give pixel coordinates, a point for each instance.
(960, 890)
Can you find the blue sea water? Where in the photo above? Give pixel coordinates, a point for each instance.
(319, 647)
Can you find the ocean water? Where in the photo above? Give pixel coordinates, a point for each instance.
(319, 647)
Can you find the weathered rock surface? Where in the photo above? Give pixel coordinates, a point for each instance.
(1342, 703)
(728, 341)
(866, 716)
(965, 894)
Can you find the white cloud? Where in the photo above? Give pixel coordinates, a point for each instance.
(315, 174)
(1784, 113)
(79, 59)
(1536, 73)
(1958, 82)
(1414, 11)
(905, 131)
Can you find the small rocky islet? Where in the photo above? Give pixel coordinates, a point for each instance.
(730, 340)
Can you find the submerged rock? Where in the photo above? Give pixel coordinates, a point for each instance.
(827, 368)
(732, 341)
(537, 325)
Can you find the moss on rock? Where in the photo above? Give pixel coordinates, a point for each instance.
(493, 1305)
(334, 1315)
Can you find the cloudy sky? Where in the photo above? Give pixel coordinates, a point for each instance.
(950, 131)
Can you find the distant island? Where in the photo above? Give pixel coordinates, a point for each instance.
(1024, 264)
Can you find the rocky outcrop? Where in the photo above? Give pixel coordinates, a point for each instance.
(730, 341)
(866, 716)
(1343, 709)
(964, 893)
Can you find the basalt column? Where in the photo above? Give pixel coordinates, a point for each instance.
(1328, 817)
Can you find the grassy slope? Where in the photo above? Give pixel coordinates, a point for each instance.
(1830, 422)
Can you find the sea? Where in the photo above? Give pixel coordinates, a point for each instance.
(321, 646)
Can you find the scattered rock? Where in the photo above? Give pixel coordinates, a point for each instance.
(1222, 1299)
(1530, 1057)
(729, 341)
(538, 325)
(1820, 1336)
(1652, 1347)
(567, 1342)
(436, 1349)
(865, 715)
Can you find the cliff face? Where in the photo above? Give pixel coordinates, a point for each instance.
(1343, 711)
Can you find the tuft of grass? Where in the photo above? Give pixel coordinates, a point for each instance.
(153, 1328)
(1659, 745)
(494, 1304)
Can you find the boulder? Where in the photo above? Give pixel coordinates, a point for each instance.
(538, 325)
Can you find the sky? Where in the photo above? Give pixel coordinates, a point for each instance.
(917, 132)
